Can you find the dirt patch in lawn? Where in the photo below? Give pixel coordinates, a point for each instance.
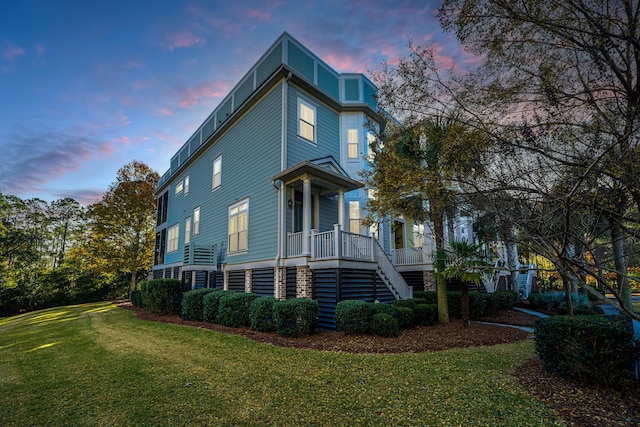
(577, 404)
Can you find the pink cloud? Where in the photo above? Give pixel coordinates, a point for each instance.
(261, 15)
(164, 111)
(214, 89)
(142, 84)
(11, 51)
(184, 39)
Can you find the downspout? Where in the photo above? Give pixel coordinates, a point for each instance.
(280, 188)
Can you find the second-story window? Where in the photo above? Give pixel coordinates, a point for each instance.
(186, 185)
(196, 221)
(179, 187)
(306, 120)
(217, 172)
(172, 241)
(187, 230)
(238, 226)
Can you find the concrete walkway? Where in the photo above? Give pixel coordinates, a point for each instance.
(533, 312)
(522, 328)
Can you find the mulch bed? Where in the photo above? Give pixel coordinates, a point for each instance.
(577, 404)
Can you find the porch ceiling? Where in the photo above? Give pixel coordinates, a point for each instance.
(322, 178)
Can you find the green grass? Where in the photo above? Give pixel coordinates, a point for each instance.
(97, 364)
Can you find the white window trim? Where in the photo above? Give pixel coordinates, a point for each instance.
(174, 240)
(186, 185)
(213, 178)
(314, 124)
(187, 230)
(237, 204)
(350, 144)
(179, 187)
(196, 221)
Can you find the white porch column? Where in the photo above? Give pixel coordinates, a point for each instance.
(341, 208)
(306, 217)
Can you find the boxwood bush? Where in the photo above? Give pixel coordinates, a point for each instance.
(429, 297)
(160, 296)
(384, 325)
(384, 308)
(353, 316)
(477, 302)
(192, 305)
(410, 303)
(295, 317)
(500, 300)
(405, 317)
(233, 309)
(210, 303)
(426, 314)
(261, 314)
(594, 347)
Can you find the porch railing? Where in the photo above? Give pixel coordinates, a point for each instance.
(294, 244)
(408, 256)
(393, 279)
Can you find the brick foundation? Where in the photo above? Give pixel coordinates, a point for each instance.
(248, 277)
(304, 285)
(281, 281)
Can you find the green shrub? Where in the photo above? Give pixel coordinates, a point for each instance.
(426, 314)
(384, 308)
(500, 300)
(192, 304)
(477, 302)
(596, 347)
(419, 301)
(352, 316)
(555, 301)
(261, 314)
(410, 303)
(430, 297)
(210, 304)
(160, 296)
(405, 317)
(233, 309)
(136, 298)
(384, 325)
(295, 317)
(535, 301)
(581, 310)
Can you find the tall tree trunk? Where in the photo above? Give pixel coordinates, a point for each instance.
(464, 304)
(441, 282)
(617, 242)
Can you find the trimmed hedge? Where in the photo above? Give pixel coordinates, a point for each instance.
(384, 308)
(426, 314)
(405, 317)
(261, 314)
(500, 300)
(161, 296)
(384, 325)
(429, 297)
(192, 305)
(595, 347)
(352, 316)
(410, 303)
(233, 309)
(136, 298)
(210, 303)
(295, 317)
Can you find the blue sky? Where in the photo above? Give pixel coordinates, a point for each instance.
(88, 86)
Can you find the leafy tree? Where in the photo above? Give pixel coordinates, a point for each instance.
(464, 262)
(123, 222)
(557, 88)
(413, 173)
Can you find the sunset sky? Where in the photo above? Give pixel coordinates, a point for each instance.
(87, 86)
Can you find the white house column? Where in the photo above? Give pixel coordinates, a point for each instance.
(306, 217)
(341, 208)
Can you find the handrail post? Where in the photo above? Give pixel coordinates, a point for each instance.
(373, 246)
(313, 243)
(337, 241)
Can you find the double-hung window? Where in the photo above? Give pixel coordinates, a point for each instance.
(238, 226)
(196, 221)
(306, 120)
(217, 172)
(354, 216)
(179, 187)
(172, 241)
(352, 143)
(187, 230)
(186, 185)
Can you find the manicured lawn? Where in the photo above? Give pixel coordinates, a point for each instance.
(97, 364)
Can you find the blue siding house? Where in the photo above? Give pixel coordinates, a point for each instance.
(265, 196)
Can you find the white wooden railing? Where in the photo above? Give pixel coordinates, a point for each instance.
(294, 244)
(393, 279)
(408, 256)
(323, 245)
(357, 246)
